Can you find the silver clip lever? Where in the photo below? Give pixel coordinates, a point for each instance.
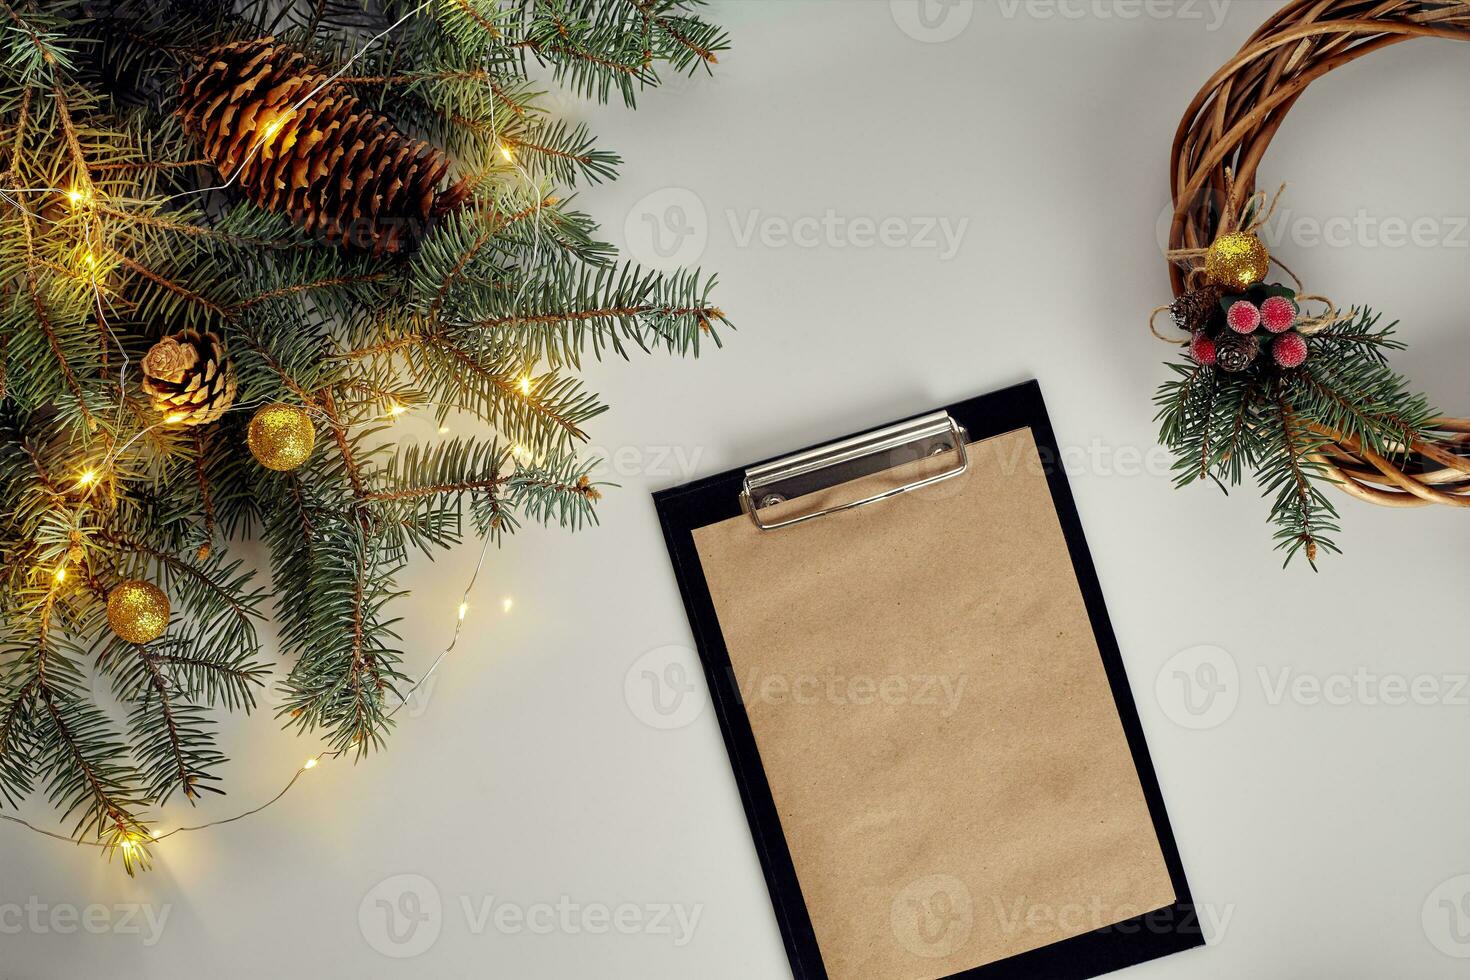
(826, 466)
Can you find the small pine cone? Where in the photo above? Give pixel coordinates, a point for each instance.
(1235, 352)
(188, 377)
(1192, 310)
(302, 145)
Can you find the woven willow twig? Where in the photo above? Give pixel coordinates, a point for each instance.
(1226, 131)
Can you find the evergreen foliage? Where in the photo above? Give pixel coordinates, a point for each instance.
(1278, 423)
(114, 232)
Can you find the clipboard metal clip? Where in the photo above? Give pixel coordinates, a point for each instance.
(778, 481)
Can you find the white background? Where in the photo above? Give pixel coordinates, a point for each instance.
(1325, 839)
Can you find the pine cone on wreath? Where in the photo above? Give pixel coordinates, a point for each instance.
(188, 377)
(302, 145)
(1192, 310)
(1235, 352)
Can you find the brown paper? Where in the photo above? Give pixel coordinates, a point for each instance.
(934, 720)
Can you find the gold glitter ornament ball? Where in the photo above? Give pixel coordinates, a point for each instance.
(1237, 260)
(137, 610)
(281, 436)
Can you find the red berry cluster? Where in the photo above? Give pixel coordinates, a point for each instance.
(1234, 348)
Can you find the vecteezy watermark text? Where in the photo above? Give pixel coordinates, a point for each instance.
(403, 915)
(1098, 913)
(670, 228)
(835, 231)
(1286, 227)
(568, 917)
(939, 691)
(1210, 13)
(1201, 686)
(63, 918)
(645, 462)
(937, 21)
(1365, 687)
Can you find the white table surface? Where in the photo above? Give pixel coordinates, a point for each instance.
(1324, 833)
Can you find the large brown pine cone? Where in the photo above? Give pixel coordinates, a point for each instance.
(188, 377)
(306, 147)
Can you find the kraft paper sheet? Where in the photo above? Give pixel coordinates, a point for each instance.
(934, 720)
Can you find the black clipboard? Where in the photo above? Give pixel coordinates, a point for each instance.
(717, 498)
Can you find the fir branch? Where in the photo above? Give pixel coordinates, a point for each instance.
(53, 341)
(78, 749)
(17, 770)
(298, 288)
(1304, 516)
(604, 309)
(177, 748)
(141, 219)
(499, 301)
(168, 285)
(42, 43)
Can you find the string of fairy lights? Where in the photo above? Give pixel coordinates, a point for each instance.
(82, 198)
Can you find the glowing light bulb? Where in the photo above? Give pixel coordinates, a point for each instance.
(525, 385)
(175, 417)
(79, 196)
(87, 478)
(464, 607)
(309, 763)
(506, 603)
(397, 409)
(443, 429)
(60, 574)
(271, 129)
(505, 152)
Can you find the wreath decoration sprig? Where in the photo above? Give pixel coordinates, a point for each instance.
(1275, 380)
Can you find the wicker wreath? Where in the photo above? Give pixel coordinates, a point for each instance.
(1216, 262)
